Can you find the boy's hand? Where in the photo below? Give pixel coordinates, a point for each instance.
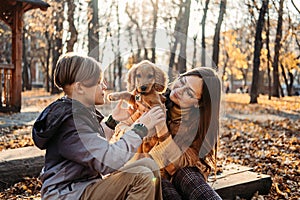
(153, 117)
(120, 113)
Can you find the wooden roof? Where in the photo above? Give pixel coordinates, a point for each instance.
(7, 8)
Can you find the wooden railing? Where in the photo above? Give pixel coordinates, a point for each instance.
(5, 85)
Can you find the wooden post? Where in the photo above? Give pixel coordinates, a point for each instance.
(1, 89)
(17, 58)
(12, 14)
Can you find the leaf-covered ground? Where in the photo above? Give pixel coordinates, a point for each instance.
(264, 136)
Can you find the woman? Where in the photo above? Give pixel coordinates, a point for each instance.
(188, 154)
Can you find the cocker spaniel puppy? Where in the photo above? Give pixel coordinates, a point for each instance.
(145, 83)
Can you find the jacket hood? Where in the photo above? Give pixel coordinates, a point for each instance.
(46, 125)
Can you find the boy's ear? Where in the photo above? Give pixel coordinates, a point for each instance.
(78, 88)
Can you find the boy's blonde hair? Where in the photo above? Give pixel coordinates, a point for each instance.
(73, 67)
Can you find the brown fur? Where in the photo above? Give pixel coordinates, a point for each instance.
(145, 80)
(145, 83)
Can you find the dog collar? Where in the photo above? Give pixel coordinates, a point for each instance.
(138, 97)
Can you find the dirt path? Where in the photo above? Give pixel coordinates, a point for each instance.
(234, 106)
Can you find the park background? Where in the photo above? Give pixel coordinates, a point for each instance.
(251, 43)
(254, 45)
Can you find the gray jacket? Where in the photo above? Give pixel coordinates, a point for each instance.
(77, 152)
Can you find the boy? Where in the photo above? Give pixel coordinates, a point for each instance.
(78, 154)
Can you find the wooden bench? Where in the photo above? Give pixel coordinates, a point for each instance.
(18, 163)
(241, 181)
(235, 180)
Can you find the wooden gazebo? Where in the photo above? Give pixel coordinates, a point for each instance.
(11, 12)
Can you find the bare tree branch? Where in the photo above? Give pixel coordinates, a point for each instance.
(274, 4)
(295, 6)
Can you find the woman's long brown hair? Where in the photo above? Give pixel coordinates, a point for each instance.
(209, 109)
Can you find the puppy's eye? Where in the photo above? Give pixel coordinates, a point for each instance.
(150, 76)
(138, 76)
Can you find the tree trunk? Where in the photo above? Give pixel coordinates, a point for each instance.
(57, 47)
(153, 45)
(257, 49)
(244, 74)
(177, 31)
(276, 83)
(119, 64)
(48, 38)
(114, 65)
(139, 31)
(72, 29)
(203, 53)
(195, 51)
(269, 57)
(288, 85)
(172, 60)
(93, 33)
(139, 49)
(25, 74)
(226, 59)
(184, 27)
(216, 41)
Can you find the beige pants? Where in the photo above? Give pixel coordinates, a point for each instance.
(138, 180)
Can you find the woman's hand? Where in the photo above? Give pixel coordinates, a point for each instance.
(120, 113)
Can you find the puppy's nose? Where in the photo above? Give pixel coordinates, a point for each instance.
(143, 88)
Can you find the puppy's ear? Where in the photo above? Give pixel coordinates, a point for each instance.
(131, 78)
(161, 80)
